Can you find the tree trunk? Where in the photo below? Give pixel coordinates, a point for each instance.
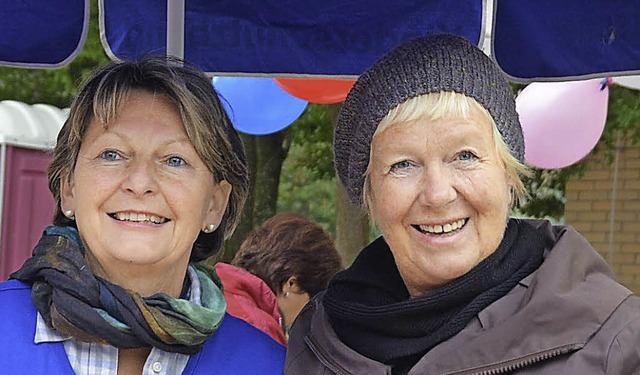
(265, 155)
(352, 223)
(352, 227)
(270, 153)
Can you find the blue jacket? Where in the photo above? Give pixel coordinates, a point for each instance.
(235, 348)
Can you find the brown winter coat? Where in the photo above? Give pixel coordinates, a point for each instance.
(568, 317)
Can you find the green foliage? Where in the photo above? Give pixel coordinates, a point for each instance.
(308, 182)
(312, 138)
(314, 198)
(546, 191)
(623, 119)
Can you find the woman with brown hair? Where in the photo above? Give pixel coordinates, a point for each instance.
(294, 256)
(149, 177)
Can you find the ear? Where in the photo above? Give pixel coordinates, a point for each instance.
(67, 192)
(511, 188)
(218, 203)
(292, 286)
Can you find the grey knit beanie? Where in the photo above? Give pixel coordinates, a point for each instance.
(421, 66)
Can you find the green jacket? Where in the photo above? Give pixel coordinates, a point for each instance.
(568, 317)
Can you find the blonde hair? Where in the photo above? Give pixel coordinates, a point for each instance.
(436, 106)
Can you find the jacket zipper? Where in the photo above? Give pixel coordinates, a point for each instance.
(521, 363)
(504, 368)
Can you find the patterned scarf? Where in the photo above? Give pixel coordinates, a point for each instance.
(75, 302)
(370, 309)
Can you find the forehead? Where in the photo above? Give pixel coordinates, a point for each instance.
(139, 113)
(425, 129)
(108, 108)
(140, 103)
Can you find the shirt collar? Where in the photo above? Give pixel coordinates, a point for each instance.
(44, 333)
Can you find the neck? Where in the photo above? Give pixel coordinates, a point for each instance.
(131, 361)
(145, 280)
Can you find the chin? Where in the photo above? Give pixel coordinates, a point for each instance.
(140, 258)
(453, 270)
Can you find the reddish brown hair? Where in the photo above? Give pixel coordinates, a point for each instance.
(288, 245)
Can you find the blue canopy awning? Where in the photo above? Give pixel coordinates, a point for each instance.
(330, 37)
(546, 40)
(530, 40)
(42, 33)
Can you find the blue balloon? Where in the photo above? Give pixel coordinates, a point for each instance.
(257, 105)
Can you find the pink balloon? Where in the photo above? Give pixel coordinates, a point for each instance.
(561, 121)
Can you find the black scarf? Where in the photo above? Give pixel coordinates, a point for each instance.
(370, 310)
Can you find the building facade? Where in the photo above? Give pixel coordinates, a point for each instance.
(604, 205)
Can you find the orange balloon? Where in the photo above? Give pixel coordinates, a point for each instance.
(317, 90)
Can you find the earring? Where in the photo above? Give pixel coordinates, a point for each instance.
(70, 214)
(209, 228)
(286, 295)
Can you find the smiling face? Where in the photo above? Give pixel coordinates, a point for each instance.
(440, 195)
(140, 192)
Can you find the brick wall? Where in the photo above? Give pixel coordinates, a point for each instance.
(590, 209)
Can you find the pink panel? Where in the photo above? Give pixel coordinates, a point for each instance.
(28, 206)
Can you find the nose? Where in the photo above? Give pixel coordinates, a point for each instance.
(140, 178)
(437, 187)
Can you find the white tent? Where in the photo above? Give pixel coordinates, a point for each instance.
(27, 135)
(31, 126)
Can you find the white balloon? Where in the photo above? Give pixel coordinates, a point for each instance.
(631, 82)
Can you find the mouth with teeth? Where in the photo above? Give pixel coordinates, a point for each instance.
(442, 229)
(138, 217)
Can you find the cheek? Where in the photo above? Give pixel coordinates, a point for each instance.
(379, 212)
(191, 200)
(493, 210)
(93, 180)
(389, 202)
(501, 193)
(486, 191)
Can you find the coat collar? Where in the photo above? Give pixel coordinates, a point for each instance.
(558, 307)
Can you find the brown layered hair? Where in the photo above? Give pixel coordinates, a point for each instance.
(207, 125)
(288, 245)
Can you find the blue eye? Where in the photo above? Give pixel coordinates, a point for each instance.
(110, 155)
(467, 156)
(176, 161)
(401, 165)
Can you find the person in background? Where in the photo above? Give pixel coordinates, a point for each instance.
(149, 178)
(294, 256)
(429, 142)
(249, 298)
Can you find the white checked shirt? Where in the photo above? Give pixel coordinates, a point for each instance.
(101, 359)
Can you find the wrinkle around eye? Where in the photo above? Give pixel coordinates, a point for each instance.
(110, 155)
(176, 161)
(467, 155)
(402, 168)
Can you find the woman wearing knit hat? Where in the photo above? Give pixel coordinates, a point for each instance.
(429, 142)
